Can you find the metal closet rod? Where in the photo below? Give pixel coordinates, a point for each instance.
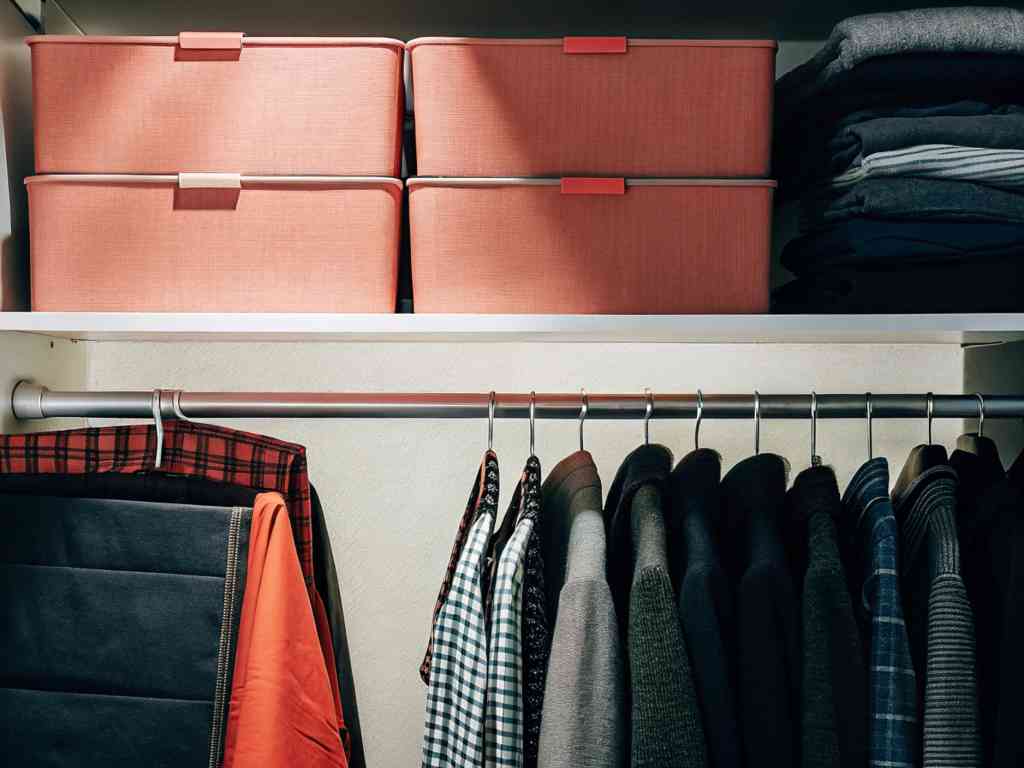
(32, 401)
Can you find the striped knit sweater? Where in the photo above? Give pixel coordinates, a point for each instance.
(939, 617)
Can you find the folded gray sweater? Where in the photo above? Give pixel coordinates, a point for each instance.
(926, 30)
(912, 198)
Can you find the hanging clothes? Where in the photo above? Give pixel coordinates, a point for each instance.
(536, 634)
(453, 733)
(198, 491)
(282, 710)
(503, 739)
(666, 724)
(768, 646)
(119, 623)
(895, 721)
(481, 489)
(940, 621)
(991, 527)
(199, 452)
(706, 606)
(585, 720)
(833, 686)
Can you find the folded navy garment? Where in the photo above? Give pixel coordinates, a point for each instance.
(999, 128)
(119, 620)
(861, 39)
(912, 198)
(980, 285)
(804, 129)
(897, 244)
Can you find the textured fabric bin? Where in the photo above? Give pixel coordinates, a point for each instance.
(256, 244)
(589, 106)
(217, 101)
(590, 246)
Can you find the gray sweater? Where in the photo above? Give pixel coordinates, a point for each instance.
(585, 722)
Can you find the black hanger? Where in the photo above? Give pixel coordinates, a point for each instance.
(922, 458)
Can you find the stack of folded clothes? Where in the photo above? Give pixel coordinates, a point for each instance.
(903, 140)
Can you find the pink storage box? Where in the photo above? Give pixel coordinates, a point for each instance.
(590, 246)
(213, 243)
(592, 106)
(217, 101)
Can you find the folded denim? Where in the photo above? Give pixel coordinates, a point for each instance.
(901, 244)
(993, 167)
(910, 198)
(860, 39)
(982, 285)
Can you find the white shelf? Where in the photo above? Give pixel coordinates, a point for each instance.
(709, 329)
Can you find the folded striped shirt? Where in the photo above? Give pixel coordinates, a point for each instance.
(994, 167)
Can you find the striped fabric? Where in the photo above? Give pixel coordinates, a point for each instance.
(504, 732)
(995, 167)
(453, 734)
(928, 528)
(895, 727)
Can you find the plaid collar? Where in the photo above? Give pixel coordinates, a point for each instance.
(190, 448)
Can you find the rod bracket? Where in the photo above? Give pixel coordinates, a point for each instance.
(27, 400)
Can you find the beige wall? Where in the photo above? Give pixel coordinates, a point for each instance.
(393, 491)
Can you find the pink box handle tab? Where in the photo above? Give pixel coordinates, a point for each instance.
(578, 185)
(576, 45)
(210, 41)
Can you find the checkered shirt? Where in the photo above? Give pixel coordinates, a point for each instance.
(504, 736)
(483, 494)
(895, 727)
(453, 734)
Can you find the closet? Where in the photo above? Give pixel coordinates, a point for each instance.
(392, 470)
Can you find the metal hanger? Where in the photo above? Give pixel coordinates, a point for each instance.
(158, 426)
(176, 406)
(930, 401)
(981, 414)
(492, 404)
(700, 415)
(868, 409)
(584, 407)
(647, 417)
(533, 413)
(815, 458)
(757, 423)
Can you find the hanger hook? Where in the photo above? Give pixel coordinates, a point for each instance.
(176, 406)
(757, 422)
(930, 404)
(648, 412)
(492, 404)
(700, 415)
(868, 410)
(584, 407)
(158, 426)
(981, 414)
(815, 458)
(533, 414)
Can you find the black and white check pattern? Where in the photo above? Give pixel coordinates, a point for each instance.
(505, 667)
(454, 730)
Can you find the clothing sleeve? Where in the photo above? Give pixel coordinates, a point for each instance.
(283, 711)
(585, 719)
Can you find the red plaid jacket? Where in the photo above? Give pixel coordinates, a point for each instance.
(193, 449)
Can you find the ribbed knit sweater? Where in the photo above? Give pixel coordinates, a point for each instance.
(666, 728)
(833, 690)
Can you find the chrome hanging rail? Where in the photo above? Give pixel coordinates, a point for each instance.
(32, 401)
